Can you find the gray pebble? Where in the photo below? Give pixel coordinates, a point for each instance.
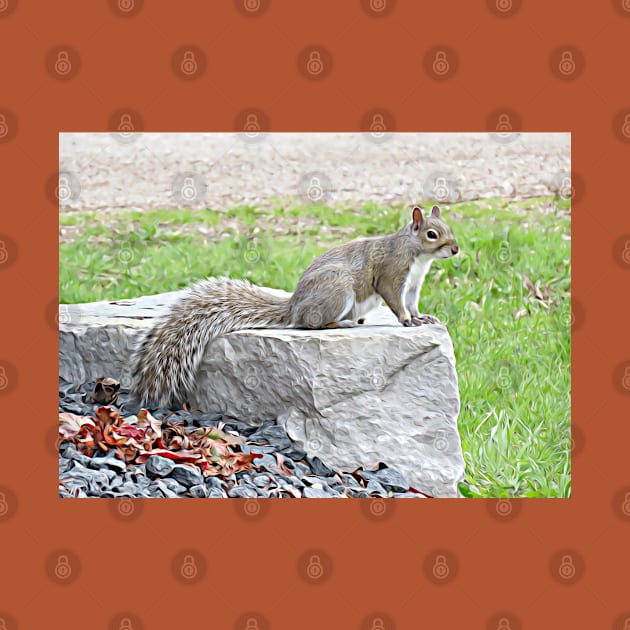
(216, 493)
(110, 460)
(319, 468)
(273, 434)
(157, 466)
(262, 480)
(173, 485)
(350, 482)
(268, 462)
(316, 493)
(242, 492)
(391, 479)
(374, 487)
(187, 475)
(215, 482)
(301, 469)
(294, 453)
(163, 490)
(199, 492)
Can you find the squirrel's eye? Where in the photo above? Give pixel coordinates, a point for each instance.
(432, 235)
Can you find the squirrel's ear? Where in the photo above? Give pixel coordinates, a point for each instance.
(416, 216)
(435, 212)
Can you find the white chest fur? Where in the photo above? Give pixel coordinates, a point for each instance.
(414, 280)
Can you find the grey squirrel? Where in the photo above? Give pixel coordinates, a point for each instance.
(337, 290)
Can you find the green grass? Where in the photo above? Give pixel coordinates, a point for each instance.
(512, 349)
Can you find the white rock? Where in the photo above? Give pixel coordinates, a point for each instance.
(353, 397)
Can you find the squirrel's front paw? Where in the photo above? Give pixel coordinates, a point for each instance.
(424, 319)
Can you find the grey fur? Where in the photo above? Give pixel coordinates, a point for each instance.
(329, 294)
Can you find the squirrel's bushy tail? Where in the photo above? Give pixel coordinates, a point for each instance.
(169, 356)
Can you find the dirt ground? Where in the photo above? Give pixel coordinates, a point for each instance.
(221, 170)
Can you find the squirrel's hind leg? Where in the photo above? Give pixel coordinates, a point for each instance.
(323, 299)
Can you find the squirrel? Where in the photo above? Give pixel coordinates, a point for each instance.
(337, 290)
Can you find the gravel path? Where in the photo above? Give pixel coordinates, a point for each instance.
(115, 171)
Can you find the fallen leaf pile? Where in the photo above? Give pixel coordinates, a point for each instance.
(136, 438)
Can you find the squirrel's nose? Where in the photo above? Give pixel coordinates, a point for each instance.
(454, 249)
